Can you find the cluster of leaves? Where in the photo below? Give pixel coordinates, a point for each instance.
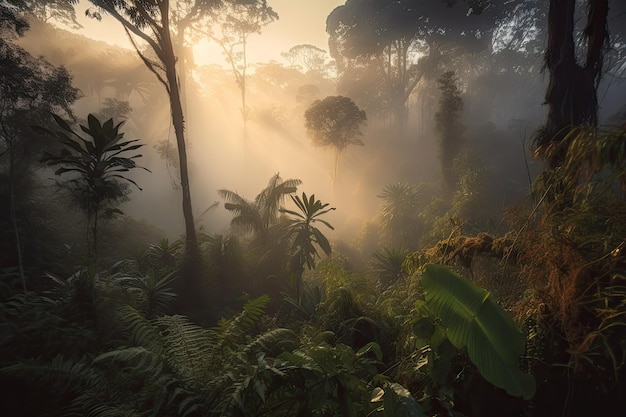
(98, 163)
(172, 366)
(418, 216)
(336, 122)
(573, 248)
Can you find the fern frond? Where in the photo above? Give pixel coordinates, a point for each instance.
(273, 343)
(146, 361)
(90, 405)
(143, 331)
(252, 312)
(233, 330)
(60, 375)
(186, 344)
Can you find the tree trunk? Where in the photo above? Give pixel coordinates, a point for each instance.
(13, 210)
(192, 298)
(182, 58)
(169, 61)
(572, 91)
(244, 106)
(336, 169)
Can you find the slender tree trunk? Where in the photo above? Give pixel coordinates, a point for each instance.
(182, 64)
(16, 229)
(244, 108)
(169, 61)
(95, 235)
(572, 91)
(336, 171)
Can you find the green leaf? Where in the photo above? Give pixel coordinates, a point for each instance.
(475, 322)
(377, 395)
(94, 123)
(64, 170)
(398, 402)
(62, 123)
(371, 347)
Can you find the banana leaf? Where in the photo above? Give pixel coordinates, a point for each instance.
(476, 323)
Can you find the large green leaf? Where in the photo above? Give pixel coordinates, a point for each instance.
(475, 322)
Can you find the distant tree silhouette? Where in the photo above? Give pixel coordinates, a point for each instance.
(234, 25)
(258, 215)
(308, 57)
(335, 121)
(402, 41)
(448, 124)
(61, 11)
(30, 88)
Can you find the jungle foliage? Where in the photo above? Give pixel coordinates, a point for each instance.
(446, 304)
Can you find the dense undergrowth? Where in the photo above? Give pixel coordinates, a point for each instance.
(337, 338)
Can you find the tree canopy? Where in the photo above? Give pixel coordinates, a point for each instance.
(404, 40)
(335, 121)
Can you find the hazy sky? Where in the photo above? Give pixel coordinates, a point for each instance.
(300, 21)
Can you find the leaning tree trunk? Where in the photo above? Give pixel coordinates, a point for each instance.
(572, 91)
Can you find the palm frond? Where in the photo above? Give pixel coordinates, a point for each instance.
(232, 197)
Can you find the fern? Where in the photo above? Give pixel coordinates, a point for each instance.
(273, 343)
(186, 345)
(236, 329)
(76, 382)
(252, 312)
(142, 331)
(91, 405)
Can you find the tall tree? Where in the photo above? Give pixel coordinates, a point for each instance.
(404, 39)
(61, 11)
(335, 121)
(449, 125)
(572, 90)
(151, 23)
(234, 26)
(308, 57)
(29, 88)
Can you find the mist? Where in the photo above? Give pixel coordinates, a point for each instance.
(227, 153)
(287, 208)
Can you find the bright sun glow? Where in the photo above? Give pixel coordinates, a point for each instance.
(300, 22)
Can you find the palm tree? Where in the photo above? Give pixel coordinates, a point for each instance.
(400, 214)
(259, 215)
(306, 236)
(388, 264)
